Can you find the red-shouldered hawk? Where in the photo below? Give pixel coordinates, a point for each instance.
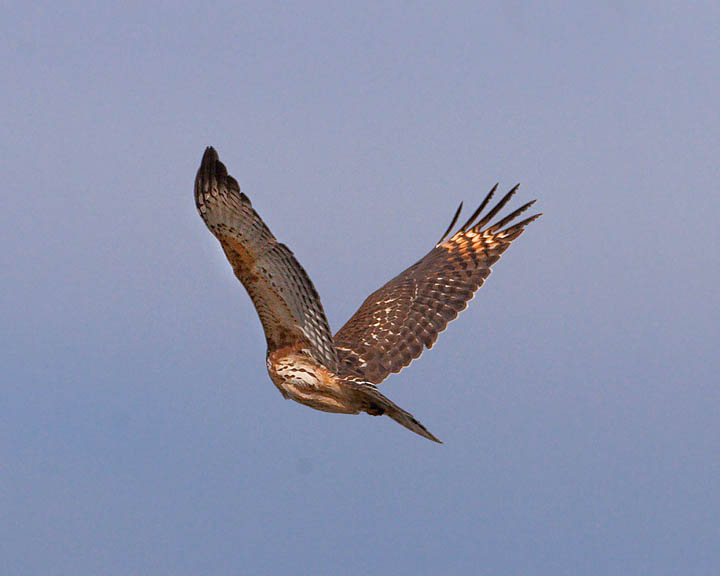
(391, 328)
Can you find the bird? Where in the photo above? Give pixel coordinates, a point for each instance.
(340, 373)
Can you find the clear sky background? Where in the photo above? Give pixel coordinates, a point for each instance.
(578, 396)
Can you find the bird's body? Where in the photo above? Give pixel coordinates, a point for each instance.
(392, 327)
(302, 378)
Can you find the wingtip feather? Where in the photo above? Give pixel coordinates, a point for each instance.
(209, 156)
(480, 208)
(452, 223)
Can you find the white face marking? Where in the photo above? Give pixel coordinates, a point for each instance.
(296, 374)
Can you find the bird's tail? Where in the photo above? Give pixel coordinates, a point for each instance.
(380, 404)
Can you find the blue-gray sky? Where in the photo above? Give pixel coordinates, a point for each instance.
(577, 397)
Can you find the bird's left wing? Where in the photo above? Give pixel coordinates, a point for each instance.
(284, 297)
(402, 318)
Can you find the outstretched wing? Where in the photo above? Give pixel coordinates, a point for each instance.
(399, 320)
(284, 297)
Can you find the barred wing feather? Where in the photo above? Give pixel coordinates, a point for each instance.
(284, 297)
(402, 318)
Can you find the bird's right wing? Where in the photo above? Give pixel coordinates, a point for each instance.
(284, 297)
(398, 321)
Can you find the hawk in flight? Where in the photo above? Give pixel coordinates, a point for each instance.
(392, 327)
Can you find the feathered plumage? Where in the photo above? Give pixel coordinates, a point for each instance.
(390, 329)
